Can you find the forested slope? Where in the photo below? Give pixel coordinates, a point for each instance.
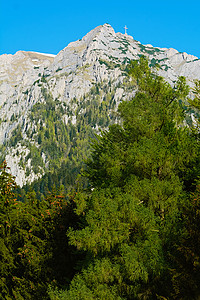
(128, 227)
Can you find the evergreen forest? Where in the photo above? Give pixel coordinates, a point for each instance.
(125, 225)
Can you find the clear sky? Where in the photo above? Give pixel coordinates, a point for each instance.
(48, 26)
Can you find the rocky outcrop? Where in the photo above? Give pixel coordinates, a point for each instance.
(98, 57)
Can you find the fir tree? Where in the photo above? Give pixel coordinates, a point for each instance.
(132, 216)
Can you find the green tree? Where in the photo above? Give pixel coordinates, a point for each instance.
(152, 150)
(195, 102)
(7, 203)
(186, 254)
(139, 179)
(34, 249)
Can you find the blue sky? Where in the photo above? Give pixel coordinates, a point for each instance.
(48, 26)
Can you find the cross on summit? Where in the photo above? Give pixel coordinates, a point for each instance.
(125, 30)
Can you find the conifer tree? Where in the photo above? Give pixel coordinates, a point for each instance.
(34, 248)
(138, 174)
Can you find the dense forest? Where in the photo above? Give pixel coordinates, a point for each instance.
(127, 227)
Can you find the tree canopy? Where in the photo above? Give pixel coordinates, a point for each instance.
(141, 173)
(133, 231)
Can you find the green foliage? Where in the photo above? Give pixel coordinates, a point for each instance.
(109, 64)
(121, 238)
(26, 92)
(34, 249)
(195, 102)
(140, 173)
(149, 50)
(59, 69)
(186, 254)
(15, 138)
(66, 145)
(133, 232)
(151, 144)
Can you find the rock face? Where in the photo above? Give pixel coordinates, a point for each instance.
(18, 73)
(26, 77)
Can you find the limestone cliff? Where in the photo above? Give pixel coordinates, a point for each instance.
(28, 79)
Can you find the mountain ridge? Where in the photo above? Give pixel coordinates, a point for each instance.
(69, 79)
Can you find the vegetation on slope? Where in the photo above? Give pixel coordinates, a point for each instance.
(134, 224)
(59, 135)
(133, 231)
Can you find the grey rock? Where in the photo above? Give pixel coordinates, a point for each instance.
(95, 58)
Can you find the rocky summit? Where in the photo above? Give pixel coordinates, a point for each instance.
(51, 105)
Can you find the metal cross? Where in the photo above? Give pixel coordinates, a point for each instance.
(125, 29)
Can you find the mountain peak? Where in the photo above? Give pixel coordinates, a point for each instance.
(69, 78)
(102, 30)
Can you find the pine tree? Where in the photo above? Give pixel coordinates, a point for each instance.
(132, 215)
(34, 249)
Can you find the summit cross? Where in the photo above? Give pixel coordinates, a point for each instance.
(125, 30)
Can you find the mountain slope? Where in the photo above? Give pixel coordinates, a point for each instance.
(51, 105)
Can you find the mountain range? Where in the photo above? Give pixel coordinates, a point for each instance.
(51, 105)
